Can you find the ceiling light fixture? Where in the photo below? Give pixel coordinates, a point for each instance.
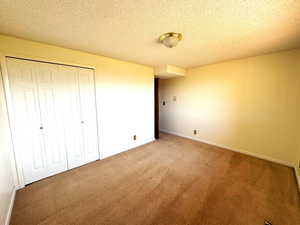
(171, 39)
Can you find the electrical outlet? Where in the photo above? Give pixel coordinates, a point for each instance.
(195, 132)
(174, 98)
(134, 137)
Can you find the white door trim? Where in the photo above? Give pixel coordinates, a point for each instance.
(97, 115)
(11, 206)
(17, 155)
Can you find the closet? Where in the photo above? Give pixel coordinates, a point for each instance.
(54, 116)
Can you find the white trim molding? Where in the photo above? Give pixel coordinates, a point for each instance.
(256, 155)
(10, 208)
(11, 119)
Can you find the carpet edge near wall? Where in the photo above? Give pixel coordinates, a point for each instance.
(256, 155)
(259, 156)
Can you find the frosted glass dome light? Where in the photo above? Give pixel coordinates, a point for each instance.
(171, 39)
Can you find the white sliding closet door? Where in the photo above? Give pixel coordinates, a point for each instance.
(33, 94)
(88, 114)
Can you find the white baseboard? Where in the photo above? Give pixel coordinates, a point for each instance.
(297, 176)
(10, 208)
(256, 155)
(127, 148)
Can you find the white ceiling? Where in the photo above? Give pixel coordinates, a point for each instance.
(213, 30)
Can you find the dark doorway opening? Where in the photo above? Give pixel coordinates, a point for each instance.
(156, 108)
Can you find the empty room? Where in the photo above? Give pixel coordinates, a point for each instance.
(122, 112)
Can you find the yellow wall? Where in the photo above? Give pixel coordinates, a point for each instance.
(252, 105)
(124, 92)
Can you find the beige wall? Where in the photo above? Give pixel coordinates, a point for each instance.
(250, 105)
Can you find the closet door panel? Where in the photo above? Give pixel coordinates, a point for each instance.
(88, 114)
(72, 118)
(55, 119)
(28, 139)
(51, 114)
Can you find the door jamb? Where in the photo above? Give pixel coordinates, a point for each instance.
(16, 155)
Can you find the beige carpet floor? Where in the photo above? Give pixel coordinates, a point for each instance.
(172, 181)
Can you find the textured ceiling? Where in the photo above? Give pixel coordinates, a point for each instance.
(213, 30)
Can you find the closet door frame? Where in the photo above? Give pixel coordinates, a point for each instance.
(16, 156)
